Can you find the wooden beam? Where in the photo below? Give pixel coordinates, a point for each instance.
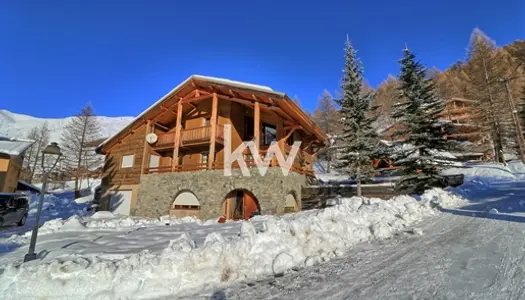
(294, 128)
(164, 109)
(146, 150)
(161, 126)
(257, 124)
(213, 130)
(176, 142)
(280, 135)
(196, 99)
(241, 101)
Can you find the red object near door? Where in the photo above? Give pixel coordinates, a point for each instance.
(250, 205)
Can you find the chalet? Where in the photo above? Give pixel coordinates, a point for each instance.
(11, 159)
(170, 159)
(458, 112)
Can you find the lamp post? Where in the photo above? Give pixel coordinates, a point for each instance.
(52, 151)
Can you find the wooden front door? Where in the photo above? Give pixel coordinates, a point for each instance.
(250, 205)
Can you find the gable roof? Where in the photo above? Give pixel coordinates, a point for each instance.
(12, 146)
(224, 82)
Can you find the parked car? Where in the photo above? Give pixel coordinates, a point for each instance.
(13, 208)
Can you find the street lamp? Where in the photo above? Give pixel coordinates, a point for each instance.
(51, 152)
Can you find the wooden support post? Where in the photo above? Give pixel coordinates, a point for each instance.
(213, 130)
(280, 137)
(176, 143)
(147, 148)
(257, 125)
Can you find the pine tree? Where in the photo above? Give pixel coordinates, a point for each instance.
(358, 140)
(418, 152)
(76, 138)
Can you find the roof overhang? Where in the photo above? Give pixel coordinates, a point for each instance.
(278, 99)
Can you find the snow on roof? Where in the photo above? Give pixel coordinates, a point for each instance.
(11, 146)
(28, 186)
(217, 80)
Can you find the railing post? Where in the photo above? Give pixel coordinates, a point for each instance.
(257, 124)
(176, 142)
(146, 151)
(213, 131)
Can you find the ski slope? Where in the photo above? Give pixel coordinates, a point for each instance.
(19, 125)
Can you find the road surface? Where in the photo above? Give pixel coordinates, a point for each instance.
(465, 253)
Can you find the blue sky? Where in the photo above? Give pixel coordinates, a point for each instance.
(56, 56)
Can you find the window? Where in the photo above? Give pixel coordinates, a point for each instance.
(204, 158)
(206, 121)
(269, 134)
(127, 161)
(154, 161)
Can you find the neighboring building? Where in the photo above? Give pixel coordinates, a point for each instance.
(178, 170)
(457, 112)
(11, 159)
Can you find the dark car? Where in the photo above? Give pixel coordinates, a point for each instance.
(13, 208)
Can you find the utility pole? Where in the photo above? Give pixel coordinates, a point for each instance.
(516, 119)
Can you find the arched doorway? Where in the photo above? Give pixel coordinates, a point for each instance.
(240, 205)
(185, 204)
(290, 204)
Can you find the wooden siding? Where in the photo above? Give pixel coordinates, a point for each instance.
(193, 119)
(132, 144)
(10, 168)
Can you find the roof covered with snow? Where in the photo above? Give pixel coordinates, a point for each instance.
(11, 146)
(208, 79)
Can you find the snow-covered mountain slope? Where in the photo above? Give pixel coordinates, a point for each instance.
(18, 125)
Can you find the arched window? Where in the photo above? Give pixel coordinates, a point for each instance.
(290, 204)
(186, 200)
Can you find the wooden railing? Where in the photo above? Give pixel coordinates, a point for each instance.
(189, 136)
(219, 165)
(165, 140)
(195, 135)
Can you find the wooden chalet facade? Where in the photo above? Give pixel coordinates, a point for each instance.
(185, 144)
(11, 160)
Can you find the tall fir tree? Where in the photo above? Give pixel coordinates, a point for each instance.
(358, 141)
(419, 149)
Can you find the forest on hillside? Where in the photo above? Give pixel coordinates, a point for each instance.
(480, 77)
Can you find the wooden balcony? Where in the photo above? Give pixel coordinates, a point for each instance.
(192, 136)
(300, 165)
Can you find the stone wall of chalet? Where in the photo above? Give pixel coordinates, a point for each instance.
(157, 192)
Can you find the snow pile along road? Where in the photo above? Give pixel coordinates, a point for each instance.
(284, 243)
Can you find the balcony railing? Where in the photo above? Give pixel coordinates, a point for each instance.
(190, 136)
(300, 165)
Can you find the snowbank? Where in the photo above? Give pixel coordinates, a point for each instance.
(283, 243)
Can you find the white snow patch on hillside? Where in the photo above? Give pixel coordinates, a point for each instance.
(19, 125)
(149, 262)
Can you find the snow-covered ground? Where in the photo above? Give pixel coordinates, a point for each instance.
(464, 253)
(118, 257)
(103, 256)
